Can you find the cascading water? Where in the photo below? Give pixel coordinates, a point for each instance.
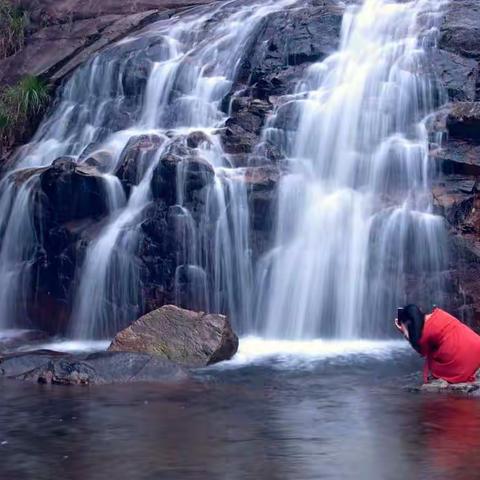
(355, 230)
(196, 59)
(355, 224)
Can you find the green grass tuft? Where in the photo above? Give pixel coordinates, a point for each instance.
(21, 102)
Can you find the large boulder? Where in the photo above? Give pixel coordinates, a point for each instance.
(98, 368)
(73, 191)
(193, 339)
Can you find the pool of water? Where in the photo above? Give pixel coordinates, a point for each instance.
(279, 410)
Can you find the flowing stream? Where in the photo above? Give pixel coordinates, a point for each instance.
(355, 231)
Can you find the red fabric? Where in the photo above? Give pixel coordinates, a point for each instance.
(452, 349)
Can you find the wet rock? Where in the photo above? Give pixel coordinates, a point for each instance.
(188, 338)
(457, 198)
(463, 121)
(62, 195)
(135, 77)
(457, 58)
(98, 368)
(290, 38)
(198, 139)
(101, 160)
(262, 188)
(244, 126)
(136, 157)
(460, 30)
(441, 386)
(195, 173)
(458, 75)
(72, 191)
(459, 157)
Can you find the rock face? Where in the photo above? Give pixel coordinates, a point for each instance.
(67, 200)
(64, 34)
(182, 336)
(459, 50)
(456, 192)
(99, 368)
(456, 196)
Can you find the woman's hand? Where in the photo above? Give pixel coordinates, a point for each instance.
(399, 327)
(402, 329)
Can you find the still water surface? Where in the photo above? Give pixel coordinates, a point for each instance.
(278, 411)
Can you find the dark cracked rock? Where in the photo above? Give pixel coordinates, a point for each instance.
(463, 121)
(460, 31)
(98, 368)
(456, 60)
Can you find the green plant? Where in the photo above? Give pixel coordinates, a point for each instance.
(29, 96)
(21, 103)
(13, 22)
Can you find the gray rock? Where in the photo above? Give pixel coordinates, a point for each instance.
(193, 339)
(65, 33)
(99, 368)
(458, 75)
(463, 121)
(460, 31)
(441, 386)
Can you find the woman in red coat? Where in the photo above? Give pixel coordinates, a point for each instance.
(452, 349)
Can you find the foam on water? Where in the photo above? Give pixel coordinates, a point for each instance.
(71, 346)
(288, 353)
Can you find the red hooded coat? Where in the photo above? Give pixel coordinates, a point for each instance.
(452, 349)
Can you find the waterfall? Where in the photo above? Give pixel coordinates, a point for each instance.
(356, 235)
(196, 58)
(355, 231)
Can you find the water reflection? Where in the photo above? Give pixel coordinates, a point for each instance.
(345, 417)
(451, 435)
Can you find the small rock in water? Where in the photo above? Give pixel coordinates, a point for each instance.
(442, 386)
(4, 443)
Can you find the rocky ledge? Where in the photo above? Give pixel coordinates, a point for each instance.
(98, 368)
(63, 34)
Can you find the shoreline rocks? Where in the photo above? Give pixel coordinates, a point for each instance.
(93, 369)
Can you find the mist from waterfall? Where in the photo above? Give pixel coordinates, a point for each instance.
(356, 236)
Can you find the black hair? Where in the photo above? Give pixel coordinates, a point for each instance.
(414, 319)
